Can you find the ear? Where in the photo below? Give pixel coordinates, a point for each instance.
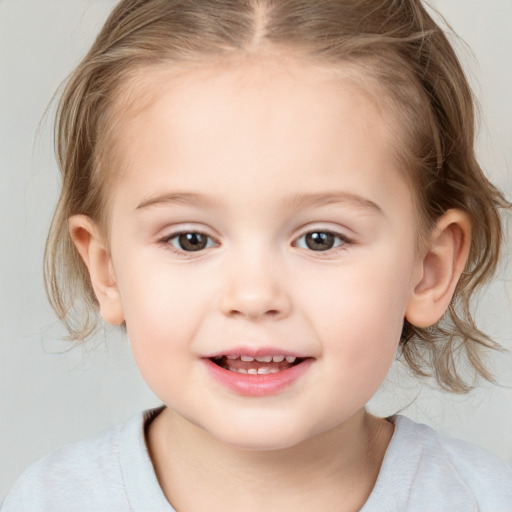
(88, 240)
(441, 267)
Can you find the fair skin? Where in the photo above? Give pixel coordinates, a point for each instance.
(307, 248)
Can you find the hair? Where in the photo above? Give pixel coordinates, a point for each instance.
(392, 43)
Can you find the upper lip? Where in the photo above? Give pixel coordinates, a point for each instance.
(255, 352)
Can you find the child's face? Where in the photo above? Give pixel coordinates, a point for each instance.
(306, 248)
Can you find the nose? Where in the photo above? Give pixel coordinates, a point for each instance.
(256, 289)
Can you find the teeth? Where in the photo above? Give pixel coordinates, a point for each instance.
(253, 371)
(264, 359)
(260, 359)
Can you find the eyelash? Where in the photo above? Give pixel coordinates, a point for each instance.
(340, 240)
(167, 241)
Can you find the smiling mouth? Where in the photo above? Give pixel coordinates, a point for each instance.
(261, 365)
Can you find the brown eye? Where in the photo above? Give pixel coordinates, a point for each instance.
(320, 241)
(191, 242)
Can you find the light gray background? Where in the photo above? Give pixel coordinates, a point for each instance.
(49, 396)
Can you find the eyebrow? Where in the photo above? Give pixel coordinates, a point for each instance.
(297, 201)
(324, 199)
(175, 198)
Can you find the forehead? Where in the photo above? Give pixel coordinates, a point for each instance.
(222, 87)
(278, 120)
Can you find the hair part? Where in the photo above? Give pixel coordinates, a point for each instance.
(394, 45)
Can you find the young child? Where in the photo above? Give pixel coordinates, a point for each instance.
(272, 198)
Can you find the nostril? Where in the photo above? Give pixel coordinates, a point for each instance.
(254, 313)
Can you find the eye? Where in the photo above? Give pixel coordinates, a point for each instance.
(192, 241)
(320, 241)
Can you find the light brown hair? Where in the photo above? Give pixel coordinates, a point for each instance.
(394, 43)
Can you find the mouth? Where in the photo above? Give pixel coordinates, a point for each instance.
(259, 365)
(258, 375)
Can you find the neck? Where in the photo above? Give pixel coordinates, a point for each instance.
(334, 470)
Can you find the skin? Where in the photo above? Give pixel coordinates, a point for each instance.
(263, 149)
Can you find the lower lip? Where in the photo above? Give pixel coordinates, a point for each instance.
(258, 385)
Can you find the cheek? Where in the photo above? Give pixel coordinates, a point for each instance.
(360, 314)
(165, 307)
(162, 307)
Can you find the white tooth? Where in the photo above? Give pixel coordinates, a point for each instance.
(291, 359)
(217, 358)
(252, 371)
(247, 359)
(241, 370)
(263, 371)
(278, 359)
(232, 357)
(274, 370)
(264, 359)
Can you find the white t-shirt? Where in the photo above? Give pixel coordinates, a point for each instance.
(112, 471)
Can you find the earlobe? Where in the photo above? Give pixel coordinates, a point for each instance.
(87, 239)
(441, 267)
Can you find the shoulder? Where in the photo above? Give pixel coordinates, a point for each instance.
(86, 476)
(428, 471)
(448, 456)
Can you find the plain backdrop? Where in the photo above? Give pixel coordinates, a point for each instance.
(50, 395)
